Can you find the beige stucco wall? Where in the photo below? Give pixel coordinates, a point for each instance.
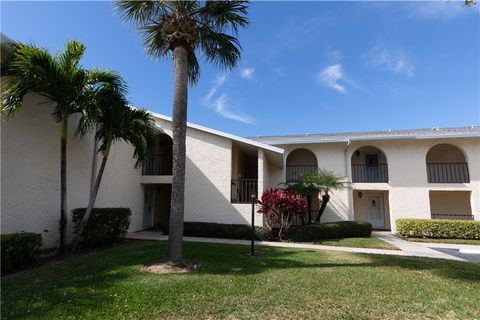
(408, 189)
(208, 179)
(30, 174)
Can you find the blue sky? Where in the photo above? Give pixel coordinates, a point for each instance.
(307, 67)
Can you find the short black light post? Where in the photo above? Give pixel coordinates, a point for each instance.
(252, 245)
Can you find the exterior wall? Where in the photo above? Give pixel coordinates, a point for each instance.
(30, 174)
(407, 188)
(208, 180)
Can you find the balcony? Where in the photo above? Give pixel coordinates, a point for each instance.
(157, 165)
(242, 189)
(366, 173)
(454, 172)
(295, 171)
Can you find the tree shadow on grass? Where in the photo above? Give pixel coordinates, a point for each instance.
(235, 261)
(84, 284)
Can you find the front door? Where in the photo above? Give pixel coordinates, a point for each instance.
(375, 214)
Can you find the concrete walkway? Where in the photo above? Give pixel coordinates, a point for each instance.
(407, 248)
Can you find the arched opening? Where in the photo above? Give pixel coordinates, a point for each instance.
(369, 165)
(159, 162)
(446, 164)
(299, 162)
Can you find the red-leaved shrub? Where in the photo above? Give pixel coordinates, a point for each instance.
(279, 207)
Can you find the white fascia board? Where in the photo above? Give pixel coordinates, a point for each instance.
(409, 137)
(223, 134)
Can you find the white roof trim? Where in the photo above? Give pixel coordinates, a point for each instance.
(223, 134)
(413, 137)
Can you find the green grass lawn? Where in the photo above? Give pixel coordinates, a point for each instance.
(284, 284)
(450, 241)
(358, 243)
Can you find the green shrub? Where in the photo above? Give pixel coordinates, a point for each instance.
(332, 230)
(105, 226)
(225, 231)
(438, 228)
(19, 250)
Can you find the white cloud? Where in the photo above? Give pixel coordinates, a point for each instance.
(223, 109)
(395, 61)
(247, 73)
(220, 104)
(333, 77)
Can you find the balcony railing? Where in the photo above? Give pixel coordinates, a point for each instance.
(242, 189)
(370, 173)
(453, 216)
(295, 172)
(454, 172)
(157, 165)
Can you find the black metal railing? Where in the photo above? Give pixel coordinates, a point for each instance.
(453, 216)
(242, 189)
(297, 220)
(157, 165)
(370, 173)
(295, 172)
(454, 172)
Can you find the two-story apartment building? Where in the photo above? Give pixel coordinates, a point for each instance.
(427, 173)
(432, 173)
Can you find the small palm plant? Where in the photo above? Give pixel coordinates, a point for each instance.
(59, 79)
(186, 28)
(327, 181)
(307, 188)
(114, 121)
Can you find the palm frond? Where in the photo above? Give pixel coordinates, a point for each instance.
(141, 12)
(221, 49)
(224, 15)
(154, 43)
(71, 56)
(193, 69)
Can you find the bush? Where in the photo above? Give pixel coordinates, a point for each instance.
(438, 228)
(19, 250)
(332, 230)
(225, 231)
(105, 226)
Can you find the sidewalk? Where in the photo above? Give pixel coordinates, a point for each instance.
(406, 248)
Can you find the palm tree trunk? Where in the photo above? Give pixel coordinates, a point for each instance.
(63, 184)
(179, 131)
(91, 202)
(309, 207)
(325, 199)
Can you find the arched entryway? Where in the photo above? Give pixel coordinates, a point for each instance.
(446, 164)
(369, 165)
(299, 162)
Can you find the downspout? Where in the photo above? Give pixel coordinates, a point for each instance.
(94, 161)
(349, 182)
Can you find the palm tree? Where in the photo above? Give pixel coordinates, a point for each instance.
(186, 28)
(114, 120)
(308, 188)
(59, 79)
(326, 181)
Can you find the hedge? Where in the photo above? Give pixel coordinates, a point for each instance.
(332, 230)
(225, 231)
(105, 226)
(438, 228)
(19, 250)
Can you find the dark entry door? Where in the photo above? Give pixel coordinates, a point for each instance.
(371, 161)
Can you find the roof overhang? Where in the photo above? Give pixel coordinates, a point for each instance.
(274, 154)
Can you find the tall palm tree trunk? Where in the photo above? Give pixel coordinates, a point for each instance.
(63, 184)
(91, 202)
(179, 131)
